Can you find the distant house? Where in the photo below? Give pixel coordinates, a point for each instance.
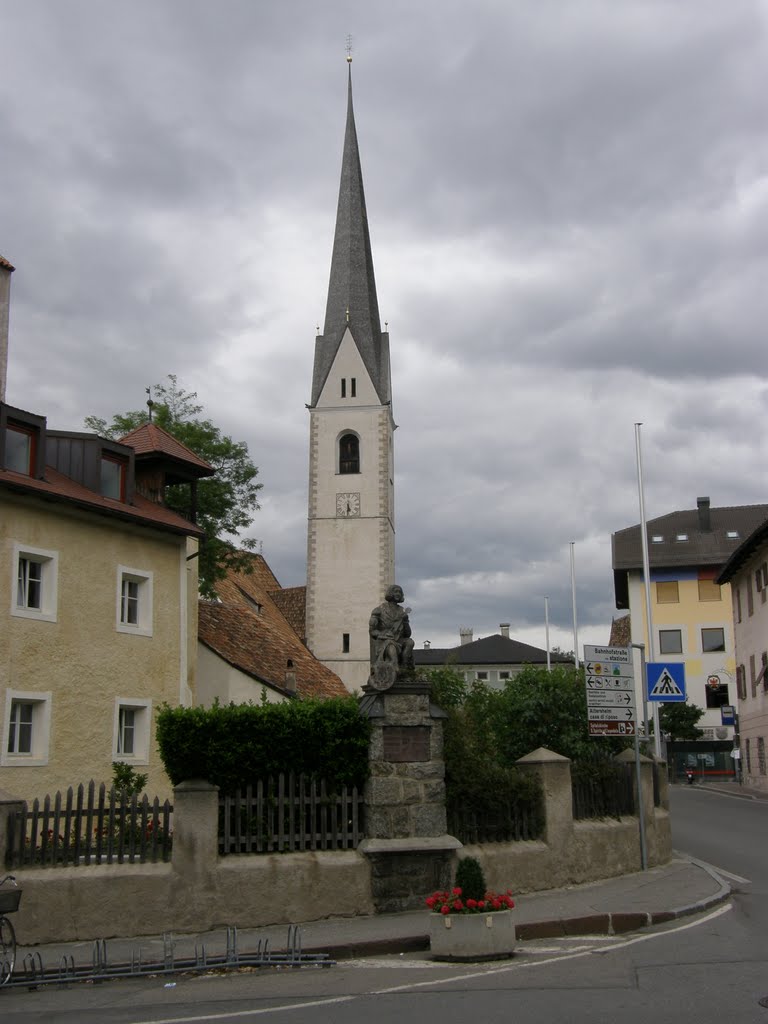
(691, 610)
(746, 571)
(101, 611)
(492, 659)
(251, 643)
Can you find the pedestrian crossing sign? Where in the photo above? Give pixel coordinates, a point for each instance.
(666, 682)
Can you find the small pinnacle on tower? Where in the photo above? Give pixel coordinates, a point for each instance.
(349, 49)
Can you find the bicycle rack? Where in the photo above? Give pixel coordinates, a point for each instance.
(34, 973)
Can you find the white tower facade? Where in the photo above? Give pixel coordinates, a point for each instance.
(351, 531)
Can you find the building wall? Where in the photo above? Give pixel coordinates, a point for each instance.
(751, 647)
(217, 679)
(690, 616)
(79, 657)
(350, 559)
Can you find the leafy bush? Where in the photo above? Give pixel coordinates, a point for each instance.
(232, 745)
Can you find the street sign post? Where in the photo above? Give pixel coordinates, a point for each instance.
(610, 682)
(666, 681)
(610, 685)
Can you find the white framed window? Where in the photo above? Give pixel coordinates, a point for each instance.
(130, 742)
(134, 601)
(34, 583)
(26, 728)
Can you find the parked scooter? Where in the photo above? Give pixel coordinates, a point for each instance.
(689, 775)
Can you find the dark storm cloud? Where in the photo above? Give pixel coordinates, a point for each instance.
(568, 206)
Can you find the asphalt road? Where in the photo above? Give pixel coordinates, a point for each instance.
(710, 970)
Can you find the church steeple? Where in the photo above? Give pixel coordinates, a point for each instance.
(351, 494)
(352, 301)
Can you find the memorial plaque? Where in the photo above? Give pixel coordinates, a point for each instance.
(406, 742)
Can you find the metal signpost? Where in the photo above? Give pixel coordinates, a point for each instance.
(610, 675)
(610, 683)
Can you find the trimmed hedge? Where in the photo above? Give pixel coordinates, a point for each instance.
(236, 744)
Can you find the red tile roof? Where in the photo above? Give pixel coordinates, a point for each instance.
(292, 602)
(150, 439)
(4, 263)
(249, 631)
(58, 487)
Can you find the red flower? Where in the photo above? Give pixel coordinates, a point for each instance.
(481, 904)
(431, 902)
(456, 891)
(445, 909)
(458, 905)
(471, 904)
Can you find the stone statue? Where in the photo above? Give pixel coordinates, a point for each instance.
(391, 643)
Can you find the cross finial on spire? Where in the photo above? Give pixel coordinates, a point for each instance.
(150, 403)
(347, 314)
(349, 49)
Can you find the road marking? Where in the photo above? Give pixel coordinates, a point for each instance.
(556, 959)
(483, 973)
(234, 1014)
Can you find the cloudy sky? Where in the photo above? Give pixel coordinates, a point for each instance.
(569, 211)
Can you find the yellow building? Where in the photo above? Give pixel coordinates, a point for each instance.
(100, 614)
(691, 612)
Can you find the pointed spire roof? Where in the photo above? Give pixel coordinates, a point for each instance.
(352, 301)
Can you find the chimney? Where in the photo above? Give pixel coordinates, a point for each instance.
(504, 627)
(290, 677)
(705, 520)
(5, 302)
(427, 644)
(465, 635)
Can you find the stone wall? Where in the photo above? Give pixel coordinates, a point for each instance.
(199, 890)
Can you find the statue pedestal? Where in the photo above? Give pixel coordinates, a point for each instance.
(407, 843)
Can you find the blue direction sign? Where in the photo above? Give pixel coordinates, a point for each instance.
(666, 682)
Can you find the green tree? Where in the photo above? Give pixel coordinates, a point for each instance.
(679, 720)
(226, 502)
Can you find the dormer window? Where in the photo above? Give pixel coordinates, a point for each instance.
(657, 538)
(113, 471)
(20, 448)
(681, 537)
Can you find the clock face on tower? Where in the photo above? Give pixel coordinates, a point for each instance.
(348, 504)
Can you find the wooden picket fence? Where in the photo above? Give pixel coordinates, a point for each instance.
(289, 813)
(87, 826)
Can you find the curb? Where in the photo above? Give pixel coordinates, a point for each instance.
(613, 923)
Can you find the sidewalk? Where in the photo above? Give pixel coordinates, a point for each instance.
(683, 886)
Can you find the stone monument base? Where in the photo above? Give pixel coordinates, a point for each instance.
(405, 871)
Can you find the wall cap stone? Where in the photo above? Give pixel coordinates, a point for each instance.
(410, 844)
(542, 756)
(629, 755)
(195, 786)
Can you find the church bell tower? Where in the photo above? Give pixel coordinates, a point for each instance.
(351, 533)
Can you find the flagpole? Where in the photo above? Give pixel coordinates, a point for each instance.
(573, 602)
(647, 578)
(546, 632)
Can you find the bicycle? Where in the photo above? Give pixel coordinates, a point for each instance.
(9, 903)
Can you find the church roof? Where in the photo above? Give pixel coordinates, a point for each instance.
(352, 300)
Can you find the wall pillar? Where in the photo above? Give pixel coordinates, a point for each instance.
(195, 836)
(554, 773)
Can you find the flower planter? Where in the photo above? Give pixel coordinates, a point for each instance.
(472, 936)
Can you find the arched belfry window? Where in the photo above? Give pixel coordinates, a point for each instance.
(349, 454)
